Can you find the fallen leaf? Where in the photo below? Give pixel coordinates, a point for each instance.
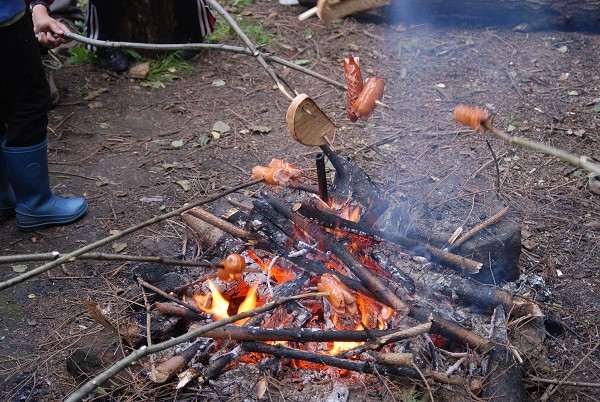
(103, 125)
(302, 62)
(177, 144)
(99, 317)
(19, 268)
(94, 94)
(203, 139)
(216, 135)
(573, 93)
(260, 129)
(563, 49)
(218, 83)
(185, 184)
(139, 70)
(118, 247)
(221, 127)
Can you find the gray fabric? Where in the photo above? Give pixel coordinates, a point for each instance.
(66, 9)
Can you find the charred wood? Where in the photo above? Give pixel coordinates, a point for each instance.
(383, 337)
(370, 280)
(283, 352)
(352, 183)
(503, 374)
(417, 248)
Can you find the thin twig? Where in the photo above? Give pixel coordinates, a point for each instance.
(551, 390)
(68, 257)
(137, 354)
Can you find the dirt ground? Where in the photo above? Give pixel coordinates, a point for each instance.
(116, 149)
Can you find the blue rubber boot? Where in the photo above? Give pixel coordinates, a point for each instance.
(37, 207)
(7, 197)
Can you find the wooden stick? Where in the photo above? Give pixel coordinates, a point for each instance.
(108, 257)
(69, 257)
(489, 221)
(580, 161)
(137, 354)
(353, 365)
(382, 337)
(220, 223)
(568, 383)
(169, 297)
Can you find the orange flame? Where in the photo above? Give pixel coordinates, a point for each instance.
(220, 305)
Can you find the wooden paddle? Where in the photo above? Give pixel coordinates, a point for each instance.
(307, 122)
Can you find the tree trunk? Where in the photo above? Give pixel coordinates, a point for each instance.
(557, 14)
(147, 21)
(565, 14)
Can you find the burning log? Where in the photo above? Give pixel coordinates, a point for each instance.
(439, 324)
(370, 280)
(335, 222)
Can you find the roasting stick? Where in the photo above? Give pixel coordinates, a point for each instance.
(481, 121)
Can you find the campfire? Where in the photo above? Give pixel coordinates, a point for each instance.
(315, 273)
(377, 302)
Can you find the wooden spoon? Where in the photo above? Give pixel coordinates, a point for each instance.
(307, 122)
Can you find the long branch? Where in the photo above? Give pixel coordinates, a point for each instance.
(580, 161)
(201, 46)
(69, 257)
(137, 354)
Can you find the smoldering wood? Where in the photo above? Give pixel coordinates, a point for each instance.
(392, 359)
(175, 364)
(221, 224)
(287, 229)
(283, 352)
(174, 310)
(285, 289)
(412, 246)
(352, 183)
(382, 340)
(440, 325)
(216, 366)
(245, 333)
(370, 280)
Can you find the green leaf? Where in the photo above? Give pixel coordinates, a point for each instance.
(118, 247)
(563, 49)
(221, 127)
(19, 268)
(204, 139)
(578, 173)
(596, 107)
(308, 34)
(302, 62)
(573, 93)
(177, 144)
(218, 83)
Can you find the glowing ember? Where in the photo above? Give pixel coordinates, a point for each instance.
(278, 274)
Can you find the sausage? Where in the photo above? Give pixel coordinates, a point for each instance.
(354, 82)
(472, 116)
(372, 92)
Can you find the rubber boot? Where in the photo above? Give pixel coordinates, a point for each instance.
(37, 207)
(7, 197)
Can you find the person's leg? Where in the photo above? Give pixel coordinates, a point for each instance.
(101, 23)
(194, 22)
(25, 97)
